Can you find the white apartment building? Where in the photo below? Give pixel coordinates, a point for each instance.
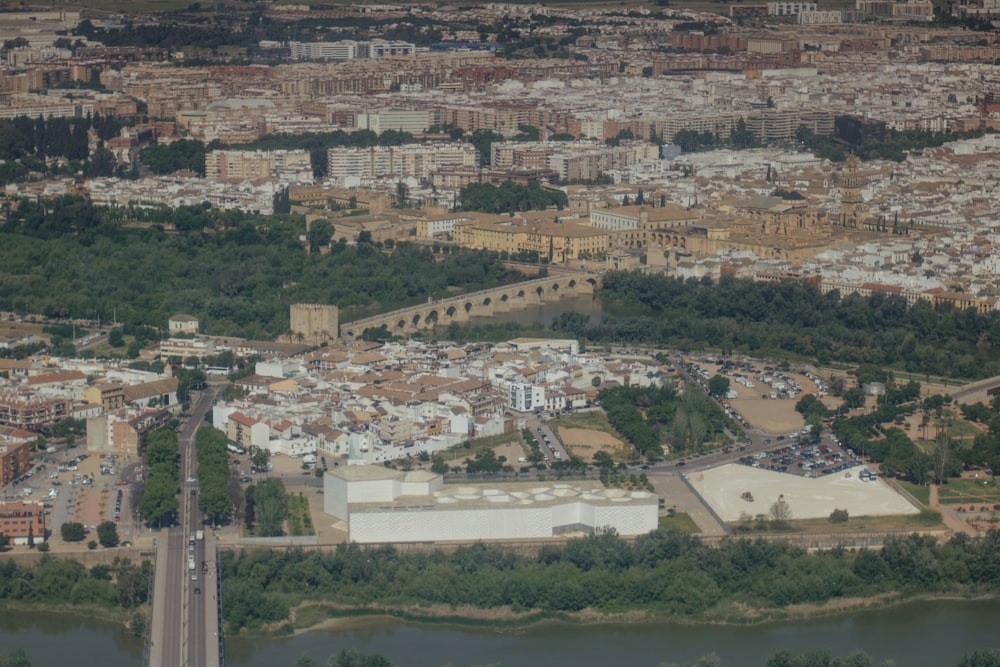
(525, 397)
(239, 166)
(349, 49)
(400, 120)
(789, 8)
(414, 160)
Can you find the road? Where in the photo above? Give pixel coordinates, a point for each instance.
(185, 608)
(975, 390)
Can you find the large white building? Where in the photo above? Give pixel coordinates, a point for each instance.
(414, 160)
(349, 50)
(401, 120)
(383, 505)
(525, 397)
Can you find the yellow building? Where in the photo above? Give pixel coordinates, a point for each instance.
(557, 241)
(108, 395)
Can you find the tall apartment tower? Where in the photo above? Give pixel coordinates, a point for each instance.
(314, 323)
(853, 210)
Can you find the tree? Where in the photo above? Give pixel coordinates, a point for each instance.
(718, 385)
(116, 338)
(270, 507)
(260, 457)
(402, 194)
(16, 659)
(319, 234)
(780, 514)
(4, 541)
(72, 531)
(839, 516)
(107, 534)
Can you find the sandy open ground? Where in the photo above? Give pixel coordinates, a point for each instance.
(512, 451)
(585, 442)
(807, 498)
(770, 416)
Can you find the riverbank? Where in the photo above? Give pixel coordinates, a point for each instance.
(118, 616)
(322, 616)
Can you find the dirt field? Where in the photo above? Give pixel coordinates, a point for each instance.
(723, 489)
(768, 415)
(585, 442)
(778, 416)
(512, 451)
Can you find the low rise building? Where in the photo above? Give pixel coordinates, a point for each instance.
(382, 505)
(23, 522)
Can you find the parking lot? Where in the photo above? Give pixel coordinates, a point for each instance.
(735, 491)
(74, 486)
(798, 455)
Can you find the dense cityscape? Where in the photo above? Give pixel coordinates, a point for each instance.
(325, 328)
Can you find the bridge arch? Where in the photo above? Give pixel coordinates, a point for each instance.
(401, 324)
(451, 311)
(487, 301)
(468, 306)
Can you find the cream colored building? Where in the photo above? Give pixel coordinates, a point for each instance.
(313, 322)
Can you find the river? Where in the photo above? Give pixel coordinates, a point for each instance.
(919, 634)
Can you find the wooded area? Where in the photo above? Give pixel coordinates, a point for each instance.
(237, 273)
(667, 573)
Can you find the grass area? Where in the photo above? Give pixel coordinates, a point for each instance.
(678, 521)
(960, 429)
(467, 450)
(958, 491)
(920, 492)
(598, 421)
(105, 351)
(299, 519)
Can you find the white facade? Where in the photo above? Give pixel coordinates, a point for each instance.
(526, 397)
(400, 120)
(382, 505)
(416, 160)
(609, 219)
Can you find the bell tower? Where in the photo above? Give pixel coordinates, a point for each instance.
(853, 210)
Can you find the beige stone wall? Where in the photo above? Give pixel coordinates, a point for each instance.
(316, 323)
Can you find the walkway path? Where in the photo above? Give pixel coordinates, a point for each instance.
(950, 517)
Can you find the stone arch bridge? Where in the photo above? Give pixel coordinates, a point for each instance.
(483, 303)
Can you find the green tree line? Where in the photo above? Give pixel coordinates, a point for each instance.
(59, 581)
(509, 197)
(240, 279)
(792, 319)
(668, 574)
(158, 504)
(211, 450)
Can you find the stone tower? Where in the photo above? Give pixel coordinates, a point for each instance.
(314, 323)
(853, 210)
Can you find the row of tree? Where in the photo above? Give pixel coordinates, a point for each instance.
(158, 502)
(666, 573)
(211, 450)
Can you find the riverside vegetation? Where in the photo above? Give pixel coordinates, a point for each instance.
(120, 589)
(666, 575)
